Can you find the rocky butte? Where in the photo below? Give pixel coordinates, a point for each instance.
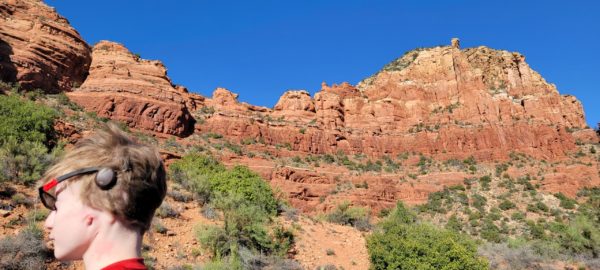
(438, 101)
(123, 87)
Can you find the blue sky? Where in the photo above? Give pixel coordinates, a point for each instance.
(260, 49)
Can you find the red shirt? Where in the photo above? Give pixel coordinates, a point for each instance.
(129, 264)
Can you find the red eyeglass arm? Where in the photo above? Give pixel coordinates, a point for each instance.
(48, 186)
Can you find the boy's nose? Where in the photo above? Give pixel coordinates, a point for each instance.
(49, 221)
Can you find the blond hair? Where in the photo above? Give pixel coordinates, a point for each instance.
(141, 179)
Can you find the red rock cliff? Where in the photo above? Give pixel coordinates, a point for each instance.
(441, 100)
(123, 87)
(39, 49)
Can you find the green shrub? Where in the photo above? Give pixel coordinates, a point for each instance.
(565, 202)
(435, 201)
(541, 206)
(581, 237)
(207, 110)
(479, 202)
(364, 185)
(490, 232)
(25, 120)
(25, 129)
(536, 230)
(205, 176)
(246, 204)
(158, 226)
(345, 214)
(327, 158)
(517, 216)
(20, 199)
(214, 135)
(192, 172)
(413, 245)
(506, 205)
(399, 215)
(485, 182)
(37, 215)
(454, 224)
(234, 148)
(24, 162)
(245, 226)
(241, 180)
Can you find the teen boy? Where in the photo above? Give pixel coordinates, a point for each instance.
(102, 196)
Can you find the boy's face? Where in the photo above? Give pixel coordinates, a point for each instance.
(72, 225)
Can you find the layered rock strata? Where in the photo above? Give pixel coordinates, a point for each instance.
(441, 101)
(123, 87)
(39, 48)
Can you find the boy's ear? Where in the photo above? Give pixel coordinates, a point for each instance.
(89, 219)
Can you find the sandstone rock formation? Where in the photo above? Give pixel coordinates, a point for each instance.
(39, 49)
(295, 105)
(442, 101)
(123, 87)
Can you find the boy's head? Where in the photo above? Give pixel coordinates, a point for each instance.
(114, 174)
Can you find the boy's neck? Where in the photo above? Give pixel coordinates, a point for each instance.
(113, 243)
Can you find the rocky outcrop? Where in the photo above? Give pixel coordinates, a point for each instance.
(438, 101)
(39, 49)
(295, 105)
(123, 87)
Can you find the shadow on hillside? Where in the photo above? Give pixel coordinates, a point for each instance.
(8, 71)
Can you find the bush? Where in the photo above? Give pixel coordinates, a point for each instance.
(479, 202)
(166, 211)
(20, 199)
(345, 214)
(246, 204)
(506, 205)
(454, 224)
(422, 246)
(205, 176)
(490, 232)
(158, 226)
(24, 251)
(244, 227)
(241, 180)
(254, 261)
(23, 162)
(517, 216)
(502, 256)
(581, 237)
(485, 182)
(192, 172)
(399, 215)
(179, 196)
(25, 120)
(541, 206)
(565, 202)
(326, 267)
(25, 130)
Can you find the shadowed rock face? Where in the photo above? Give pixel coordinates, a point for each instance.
(39, 49)
(123, 87)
